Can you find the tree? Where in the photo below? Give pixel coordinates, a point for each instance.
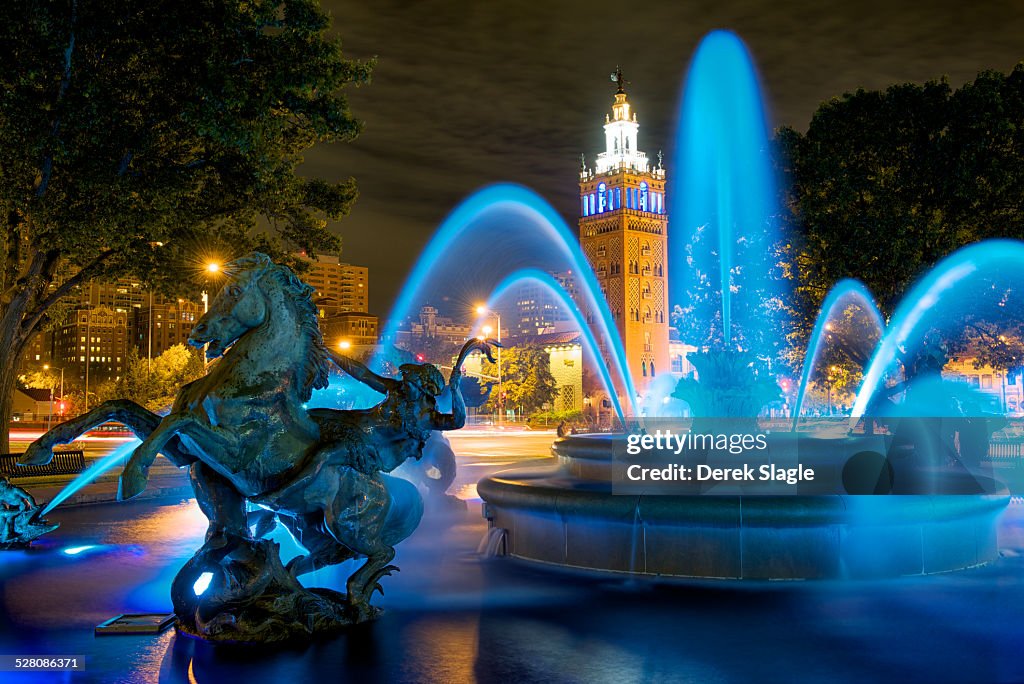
(39, 379)
(141, 136)
(526, 378)
(432, 349)
(155, 384)
(886, 183)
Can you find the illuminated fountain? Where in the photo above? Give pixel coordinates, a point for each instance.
(565, 513)
(572, 512)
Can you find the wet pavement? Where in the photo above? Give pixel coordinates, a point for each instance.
(451, 617)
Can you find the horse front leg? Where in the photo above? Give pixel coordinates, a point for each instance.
(138, 419)
(220, 502)
(136, 471)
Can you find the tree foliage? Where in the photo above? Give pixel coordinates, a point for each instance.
(142, 136)
(155, 383)
(884, 184)
(526, 379)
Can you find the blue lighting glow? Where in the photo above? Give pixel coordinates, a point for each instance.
(467, 234)
(202, 583)
(929, 301)
(843, 295)
(605, 326)
(115, 457)
(75, 550)
(724, 202)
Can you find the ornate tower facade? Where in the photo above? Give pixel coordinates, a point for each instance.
(623, 233)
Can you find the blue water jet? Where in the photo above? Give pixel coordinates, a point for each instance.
(943, 283)
(846, 293)
(723, 204)
(115, 457)
(466, 239)
(606, 327)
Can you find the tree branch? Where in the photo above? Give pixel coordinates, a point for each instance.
(65, 81)
(32, 319)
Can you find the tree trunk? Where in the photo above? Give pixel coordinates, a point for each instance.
(8, 382)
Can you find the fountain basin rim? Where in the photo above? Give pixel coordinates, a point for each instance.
(540, 490)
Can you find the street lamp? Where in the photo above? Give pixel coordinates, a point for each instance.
(482, 310)
(46, 366)
(828, 385)
(344, 345)
(212, 268)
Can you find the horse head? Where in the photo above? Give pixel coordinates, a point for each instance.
(239, 307)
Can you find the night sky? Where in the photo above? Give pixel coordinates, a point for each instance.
(470, 93)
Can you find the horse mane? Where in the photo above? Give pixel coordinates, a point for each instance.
(317, 363)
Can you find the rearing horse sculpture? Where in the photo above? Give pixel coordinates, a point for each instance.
(245, 435)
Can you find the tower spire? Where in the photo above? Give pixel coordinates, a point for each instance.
(619, 80)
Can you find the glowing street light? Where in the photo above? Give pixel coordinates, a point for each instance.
(482, 310)
(213, 267)
(344, 345)
(49, 418)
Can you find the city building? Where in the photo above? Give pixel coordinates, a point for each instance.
(340, 287)
(430, 324)
(677, 352)
(1001, 391)
(163, 323)
(623, 232)
(122, 295)
(565, 354)
(92, 346)
(538, 310)
(351, 329)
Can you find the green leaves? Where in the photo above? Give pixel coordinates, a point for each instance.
(176, 118)
(886, 183)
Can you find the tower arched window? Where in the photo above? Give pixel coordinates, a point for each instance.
(652, 368)
(618, 199)
(602, 198)
(643, 368)
(593, 203)
(615, 145)
(643, 196)
(586, 206)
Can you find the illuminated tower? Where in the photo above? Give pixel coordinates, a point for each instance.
(623, 234)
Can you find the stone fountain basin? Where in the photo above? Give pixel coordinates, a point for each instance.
(561, 512)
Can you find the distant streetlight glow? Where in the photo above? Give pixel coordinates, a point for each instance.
(486, 330)
(344, 345)
(213, 267)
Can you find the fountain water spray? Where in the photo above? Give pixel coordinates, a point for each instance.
(617, 356)
(845, 293)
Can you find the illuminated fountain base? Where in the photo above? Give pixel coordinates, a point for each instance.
(562, 513)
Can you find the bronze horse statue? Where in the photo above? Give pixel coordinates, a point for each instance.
(247, 438)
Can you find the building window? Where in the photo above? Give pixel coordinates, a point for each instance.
(643, 368)
(618, 199)
(643, 196)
